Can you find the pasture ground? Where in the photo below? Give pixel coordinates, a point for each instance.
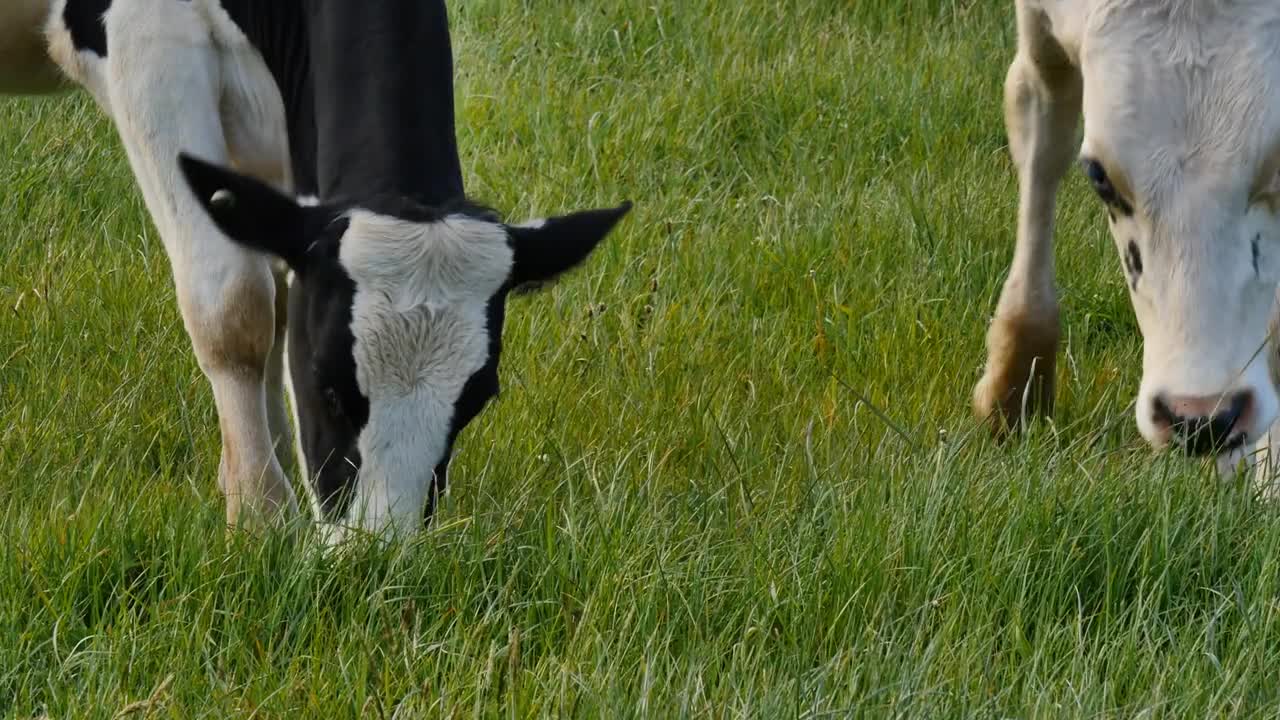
(680, 506)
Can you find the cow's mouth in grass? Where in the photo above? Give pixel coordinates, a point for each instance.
(1235, 455)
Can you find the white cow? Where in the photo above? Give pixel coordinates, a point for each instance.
(1181, 107)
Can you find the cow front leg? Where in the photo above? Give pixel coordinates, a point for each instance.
(229, 320)
(278, 415)
(164, 98)
(1042, 103)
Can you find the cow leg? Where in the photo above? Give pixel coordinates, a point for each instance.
(278, 416)
(1042, 104)
(160, 83)
(253, 123)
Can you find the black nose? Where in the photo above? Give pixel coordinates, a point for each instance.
(1206, 434)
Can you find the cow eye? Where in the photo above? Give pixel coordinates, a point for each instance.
(1097, 176)
(333, 402)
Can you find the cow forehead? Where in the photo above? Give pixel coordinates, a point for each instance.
(1185, 29)
(1182, 91)
(419, 310)
(456, 258)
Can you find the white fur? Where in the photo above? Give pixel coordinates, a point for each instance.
(421, 330)
(1183, 102)
(179, 76)
(1181, 105)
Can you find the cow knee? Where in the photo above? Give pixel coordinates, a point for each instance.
(230, 316)
(1040, 104)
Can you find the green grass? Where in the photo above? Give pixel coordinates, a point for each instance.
(677, 508)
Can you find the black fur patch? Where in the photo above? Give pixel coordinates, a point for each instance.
(480, 388)
(83, 19)
(1133, 263)
(1102, 185)
(323, 369)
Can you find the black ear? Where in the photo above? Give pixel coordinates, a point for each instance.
(248, 211)
(550, 247)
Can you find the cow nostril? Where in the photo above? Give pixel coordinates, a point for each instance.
(1163, 414)
(1203, 426)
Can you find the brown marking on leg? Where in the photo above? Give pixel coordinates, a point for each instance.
(1018, 383)
(238, 332)
(233, 340)
(1042, 100)
(226, 293)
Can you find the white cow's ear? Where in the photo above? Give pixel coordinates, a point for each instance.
(251, 212)
(547, 248)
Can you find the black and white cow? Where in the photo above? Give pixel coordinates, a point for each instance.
(400, 283)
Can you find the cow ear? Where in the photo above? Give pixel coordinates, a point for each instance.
(547, 248)
(250, 212)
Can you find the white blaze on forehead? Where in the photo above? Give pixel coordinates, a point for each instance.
(1185, 89)
(432, 263)
(419, 319)
(420, 310)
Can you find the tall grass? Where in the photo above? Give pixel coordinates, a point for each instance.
(687, 501)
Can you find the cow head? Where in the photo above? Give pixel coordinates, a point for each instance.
(1182, 145)
(395, 327)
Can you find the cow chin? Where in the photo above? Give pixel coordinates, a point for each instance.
(1239, 459)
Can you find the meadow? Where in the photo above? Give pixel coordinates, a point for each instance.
(732, 472)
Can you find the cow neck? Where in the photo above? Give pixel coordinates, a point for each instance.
(383, 89)
(278, 30)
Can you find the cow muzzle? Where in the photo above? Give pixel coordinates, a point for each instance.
(1208, 425)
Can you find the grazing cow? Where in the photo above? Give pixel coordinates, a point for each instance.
(399, 283)
(1181, 142)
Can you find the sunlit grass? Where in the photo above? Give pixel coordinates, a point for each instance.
(679, 506)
